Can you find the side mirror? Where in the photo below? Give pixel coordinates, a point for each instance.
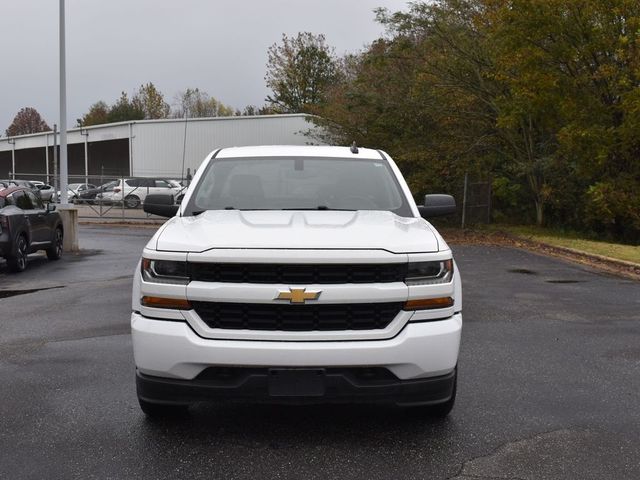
(437, 206)
(160, 204)
(51, 207)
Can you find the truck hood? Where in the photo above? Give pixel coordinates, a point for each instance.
(296, 230)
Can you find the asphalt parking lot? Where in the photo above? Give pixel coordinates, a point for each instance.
(549, 385)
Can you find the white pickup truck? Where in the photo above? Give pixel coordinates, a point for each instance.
(297, 275)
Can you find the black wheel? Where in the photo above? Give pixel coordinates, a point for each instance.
(131, 201)
(54, 252)
(18, 261)
(162, 410)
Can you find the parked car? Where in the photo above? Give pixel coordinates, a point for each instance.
(181, 190)
(47, 192)
(297, 275)
(91, 195)
(20, 183)
(74, 190)
(133, 191)
(26, 226)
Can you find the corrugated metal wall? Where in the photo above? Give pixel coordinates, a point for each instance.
(158, 146)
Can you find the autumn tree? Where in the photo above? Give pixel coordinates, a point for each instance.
(543, 97)
(150, 101)
(251, 110)
(195, 103)
(97, 115)
(299, 72)
(26, 121)
(575, 64)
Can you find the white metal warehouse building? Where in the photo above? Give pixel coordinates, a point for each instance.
(148, 147)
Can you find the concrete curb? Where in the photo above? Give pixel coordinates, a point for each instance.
(610, 265)
(603, 263)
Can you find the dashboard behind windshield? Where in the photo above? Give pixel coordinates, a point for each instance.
(298, 183)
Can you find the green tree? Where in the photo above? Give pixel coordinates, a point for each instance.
(27, 120)
(125, 110)
(575, 64)
(299, 72)
(98, 114)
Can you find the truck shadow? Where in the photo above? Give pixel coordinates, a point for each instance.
(283, 426)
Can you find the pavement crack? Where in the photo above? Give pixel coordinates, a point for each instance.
(466, 468)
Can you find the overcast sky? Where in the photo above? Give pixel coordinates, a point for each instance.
(219, 46)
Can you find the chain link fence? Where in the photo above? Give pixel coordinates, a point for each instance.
(120, 197)
(475, 202)
(108, 197)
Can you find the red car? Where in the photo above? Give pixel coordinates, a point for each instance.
(26, 226)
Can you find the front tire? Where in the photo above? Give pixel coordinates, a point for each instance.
(54, 252)
(18, 261)
(131, 201)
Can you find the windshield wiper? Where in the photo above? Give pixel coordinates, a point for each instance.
(323, 207)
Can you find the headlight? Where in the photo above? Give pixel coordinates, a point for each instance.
(429, 273)
(165, 271)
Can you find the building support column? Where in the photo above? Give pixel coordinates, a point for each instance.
(46, 156)
(130, 148)
(13, 158)
(85, 134)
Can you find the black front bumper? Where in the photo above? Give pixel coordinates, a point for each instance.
(297, 386)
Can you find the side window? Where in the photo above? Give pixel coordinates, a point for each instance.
(22, 201)
(35, 200)
(133, 182)
(162, 184)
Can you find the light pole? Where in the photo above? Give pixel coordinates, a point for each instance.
(63, 113)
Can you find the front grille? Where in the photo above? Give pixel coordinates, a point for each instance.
(298, 274)
(297, 318)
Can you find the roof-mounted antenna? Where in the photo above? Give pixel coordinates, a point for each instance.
(354, 147)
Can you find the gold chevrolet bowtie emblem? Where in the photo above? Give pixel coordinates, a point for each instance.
(298, 295)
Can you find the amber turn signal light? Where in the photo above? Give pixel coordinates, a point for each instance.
(163, 302)
(428, 303)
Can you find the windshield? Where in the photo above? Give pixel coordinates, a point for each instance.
(305, 183)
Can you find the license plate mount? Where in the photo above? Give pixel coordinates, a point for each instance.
(296, 382)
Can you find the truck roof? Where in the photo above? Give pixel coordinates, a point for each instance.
(298, 151)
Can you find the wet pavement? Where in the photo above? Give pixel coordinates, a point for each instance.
(549, 384)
